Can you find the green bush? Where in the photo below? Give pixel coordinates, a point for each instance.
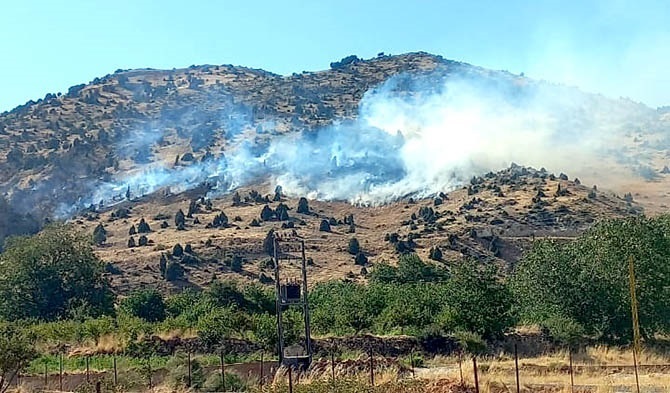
(147, 304)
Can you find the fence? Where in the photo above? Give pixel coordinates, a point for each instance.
(487, 374)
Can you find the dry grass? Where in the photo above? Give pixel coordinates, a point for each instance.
(551, 371)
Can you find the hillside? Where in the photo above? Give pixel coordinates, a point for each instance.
(493, 220)
(151, 141)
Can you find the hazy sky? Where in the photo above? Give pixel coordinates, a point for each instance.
(614, 47)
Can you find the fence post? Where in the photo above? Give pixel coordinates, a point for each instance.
(290, 380)
(261, 379)
(116, 375)
(474, 367)
(372, 369)
(60, 371)
(223, 371)
(151, 383)
(88, 370)
(516, 367)
(189, 368)
(332, 364)
(46, 375)
(460, 364)
(411, 362)
(572, 377)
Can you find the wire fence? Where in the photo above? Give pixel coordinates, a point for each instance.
(485, 374)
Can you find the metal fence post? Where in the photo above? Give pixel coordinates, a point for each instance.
(572, 377)
(60, 371)
(189, 368)
(223, 371)
(116, 374)
(372, 369)
(516, 367)
(261, 379)
(474, 367)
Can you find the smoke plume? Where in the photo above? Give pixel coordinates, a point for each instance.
(416, 135)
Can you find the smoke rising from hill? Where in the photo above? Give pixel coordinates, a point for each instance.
(417, 135)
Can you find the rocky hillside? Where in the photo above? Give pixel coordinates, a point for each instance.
(53, 148)
(492, 219)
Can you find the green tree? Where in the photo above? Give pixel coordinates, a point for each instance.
(147, 304)
(17, 350)
(478, 301)
(221, 323)
(225, 293)
(52, 274)
(99, 235)
(586, 281)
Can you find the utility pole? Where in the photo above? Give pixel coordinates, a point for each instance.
(291, 293)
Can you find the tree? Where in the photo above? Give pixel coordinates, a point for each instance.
(436, 254)
(49, 275)
(132, 231)
(267, 213)
(174, 271)
(303, 206)
(220, 220)
(324, 226)
(478, 302)
(236, 263)
(179, 219)
(269, 243)
(143, 241)
(192, 208)
(354, 247)
(147, 304)
(177, 250)
(282, 212)
(143, 227)
(225, 293)
(17, 350)
(410, 269)
(99, 235)
(360, 259)
(221, 323)
(162, 265)
(237, 200)
(586, 281)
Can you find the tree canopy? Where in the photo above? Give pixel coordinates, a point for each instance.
(585, 283)
(51, 275)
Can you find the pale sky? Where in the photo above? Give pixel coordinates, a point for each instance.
(616, 48)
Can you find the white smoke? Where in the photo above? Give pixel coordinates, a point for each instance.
(417, 135)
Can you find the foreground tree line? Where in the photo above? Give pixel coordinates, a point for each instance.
(52, 287)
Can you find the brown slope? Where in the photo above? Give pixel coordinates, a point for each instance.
(493, 219)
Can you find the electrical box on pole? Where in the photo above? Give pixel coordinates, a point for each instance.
(292, 293)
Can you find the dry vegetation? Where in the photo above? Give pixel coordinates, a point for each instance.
(493, 219)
